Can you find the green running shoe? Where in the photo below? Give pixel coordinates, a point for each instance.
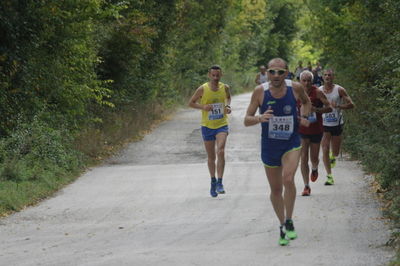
(329, 180)
(283, 241)
(332, 159)
(290, 232)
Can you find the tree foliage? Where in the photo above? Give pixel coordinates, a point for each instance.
(68, 68)
(360, 40)
(47, 59)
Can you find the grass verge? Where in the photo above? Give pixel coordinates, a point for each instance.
(36, 160)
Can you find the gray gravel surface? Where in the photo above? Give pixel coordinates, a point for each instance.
(150, 206)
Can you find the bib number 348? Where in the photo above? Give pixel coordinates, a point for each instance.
(280, 127)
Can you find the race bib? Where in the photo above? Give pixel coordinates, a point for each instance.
(312, 117)
(331, 117)
(217, 112)
(280, 127)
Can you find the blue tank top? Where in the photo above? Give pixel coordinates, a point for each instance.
(283, 127)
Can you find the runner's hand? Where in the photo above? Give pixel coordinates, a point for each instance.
(266, 115)
(207, 107)
(304, 122)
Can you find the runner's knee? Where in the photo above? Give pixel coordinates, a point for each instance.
(211, 158)
(325, 147)
(276, 191)
(288, 179)
(221, 152)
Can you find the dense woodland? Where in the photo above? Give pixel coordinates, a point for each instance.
(80, 77)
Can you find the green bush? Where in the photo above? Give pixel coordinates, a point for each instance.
(63, 64)
(360, 40)
(34, 149)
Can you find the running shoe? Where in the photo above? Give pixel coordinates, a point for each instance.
(213, 188)
(314, 175)
(306, 191)
(283, 241)
(220, 188)
(332, 159)
(290, 232)
(329, 180)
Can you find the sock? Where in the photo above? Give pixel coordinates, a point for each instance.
(289, 225)
(220, 180)
(307, 185)
(213, 180)
(282, 231)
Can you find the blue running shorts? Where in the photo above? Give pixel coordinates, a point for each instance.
(271, 155)
(209, 133)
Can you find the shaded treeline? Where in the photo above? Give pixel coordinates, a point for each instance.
(77, 77)
(360, 40)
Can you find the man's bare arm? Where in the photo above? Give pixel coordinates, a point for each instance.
(348, 102)
(251, 119)
(228, 99)
(327, 105)
(301, 95)
(193, 102)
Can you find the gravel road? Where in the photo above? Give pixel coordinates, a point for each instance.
(150, 205)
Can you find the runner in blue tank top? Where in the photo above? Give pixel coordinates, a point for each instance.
(280, 134)
(280, 141)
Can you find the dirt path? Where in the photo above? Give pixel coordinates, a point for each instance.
(150, 206)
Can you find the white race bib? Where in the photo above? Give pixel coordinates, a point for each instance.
(280, 127)
(312, 117)
(217, 112)
(331, 117)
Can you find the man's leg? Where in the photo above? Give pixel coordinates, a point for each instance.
(326, 140)
(221, 140)
(290, 161)
(314, 158)
(305, 169)
(274, 176)
(336, 143)
(314, 154)
(210, 149)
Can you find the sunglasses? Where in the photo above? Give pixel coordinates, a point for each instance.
(279, 71)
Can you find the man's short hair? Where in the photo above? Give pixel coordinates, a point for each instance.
(277, 59)
(329, 70)
(307, 73)
(214, 67)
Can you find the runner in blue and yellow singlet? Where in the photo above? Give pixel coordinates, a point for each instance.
(213, 99)
(280, 141)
